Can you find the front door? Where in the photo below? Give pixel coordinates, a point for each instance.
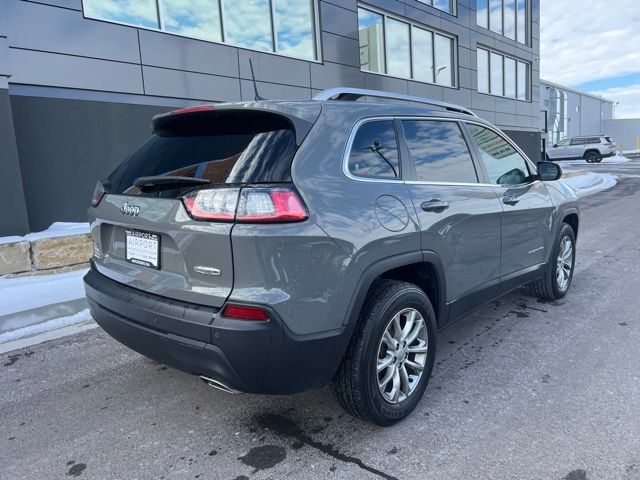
(560, 150)
(527, 208)
(459, 217)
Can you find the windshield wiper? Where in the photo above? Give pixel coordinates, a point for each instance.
(165, 181)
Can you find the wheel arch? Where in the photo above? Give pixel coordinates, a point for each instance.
(423, 269)
(573, 221)
(591, 150)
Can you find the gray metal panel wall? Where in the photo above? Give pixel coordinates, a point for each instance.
(625, 132)
(53, 45)
(13, 210)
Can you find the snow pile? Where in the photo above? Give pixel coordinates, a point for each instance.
(10, 239)
(590, 182)
(57, 229)
(26, 293)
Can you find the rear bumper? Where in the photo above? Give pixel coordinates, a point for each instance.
(252, 357)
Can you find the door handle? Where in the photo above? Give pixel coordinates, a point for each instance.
(434, 206)
(510, 199)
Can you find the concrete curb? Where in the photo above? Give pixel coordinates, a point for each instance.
(28, 318)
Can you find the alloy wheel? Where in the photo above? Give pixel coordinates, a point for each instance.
(564, 263)
(402, 355)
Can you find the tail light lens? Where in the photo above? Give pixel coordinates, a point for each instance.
(212, 203)
(242, 312)
(247, 205)
(98, 193)
(270, 205)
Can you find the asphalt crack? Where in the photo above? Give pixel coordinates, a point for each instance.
(286, 427)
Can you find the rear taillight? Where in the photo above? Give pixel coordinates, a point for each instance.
(243, 312)
(270, 205)
(98, 193)
(212, 203)
(246, 205)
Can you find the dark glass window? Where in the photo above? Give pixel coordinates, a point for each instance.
(374, 152)
(439, 151)
(503, 163)
(222, 148)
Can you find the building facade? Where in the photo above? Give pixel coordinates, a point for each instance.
(81, 79)
(567, 113)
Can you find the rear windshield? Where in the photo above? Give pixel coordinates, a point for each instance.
(227, 148)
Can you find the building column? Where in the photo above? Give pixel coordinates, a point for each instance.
(13, 209)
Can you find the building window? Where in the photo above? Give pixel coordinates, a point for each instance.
(505, 17)
(394, 47)
(280, 26)
(444, 5)
(502, 75)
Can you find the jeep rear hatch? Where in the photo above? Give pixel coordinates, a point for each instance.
(164, 223)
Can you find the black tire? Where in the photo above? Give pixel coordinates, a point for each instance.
(592, 156)
(547, 287)
(356, 382)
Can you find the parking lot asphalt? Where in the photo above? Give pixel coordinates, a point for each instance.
(522, 389)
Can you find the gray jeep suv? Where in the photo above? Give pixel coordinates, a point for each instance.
(271, 247)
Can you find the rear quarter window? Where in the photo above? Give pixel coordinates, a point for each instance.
(374, 151)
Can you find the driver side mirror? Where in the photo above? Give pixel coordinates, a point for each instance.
(549, 171)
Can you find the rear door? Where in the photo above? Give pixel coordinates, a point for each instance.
(459, 216)
(528, 211)
(143, 234)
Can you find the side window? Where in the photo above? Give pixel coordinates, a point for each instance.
(504, 164)
(374, 152)
(439, 151)
(563, 143)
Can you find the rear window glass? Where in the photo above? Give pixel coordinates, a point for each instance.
(228, 148)
(374, 152)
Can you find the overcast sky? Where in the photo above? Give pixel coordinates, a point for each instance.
(593, 46)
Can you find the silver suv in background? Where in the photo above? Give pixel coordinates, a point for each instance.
(271, 247)
(592, 149)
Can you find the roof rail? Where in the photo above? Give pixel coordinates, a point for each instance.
(353, 94)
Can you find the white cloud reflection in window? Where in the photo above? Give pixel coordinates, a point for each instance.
(248, 24)
(192, 18)
(135, 12)
(295, 26)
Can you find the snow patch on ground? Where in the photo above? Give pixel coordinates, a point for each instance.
(590, 182)
(26, 293)
(56, 323)
(579, 161)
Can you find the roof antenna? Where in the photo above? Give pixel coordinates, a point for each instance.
(255, 85)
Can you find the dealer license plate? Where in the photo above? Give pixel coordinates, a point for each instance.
(142, 248)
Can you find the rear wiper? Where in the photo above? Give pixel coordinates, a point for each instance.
(165, 181)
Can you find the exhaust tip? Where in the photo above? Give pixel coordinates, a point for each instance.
(219, 385)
